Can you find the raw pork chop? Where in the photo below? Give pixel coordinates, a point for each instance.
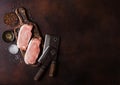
(32, 51)
(24, 36)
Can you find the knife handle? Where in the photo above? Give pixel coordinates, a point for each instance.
(52, 69)
(39, 73)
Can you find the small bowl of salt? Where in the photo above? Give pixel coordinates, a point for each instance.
(13, 49)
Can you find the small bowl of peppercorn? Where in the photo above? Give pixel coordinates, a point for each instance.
(8, 36)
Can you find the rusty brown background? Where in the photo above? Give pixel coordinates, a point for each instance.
(90, 42)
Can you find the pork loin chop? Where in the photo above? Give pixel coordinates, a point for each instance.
(32, 51)
(24, 36)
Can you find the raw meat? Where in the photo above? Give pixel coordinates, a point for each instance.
(24, 36)
(32, 51)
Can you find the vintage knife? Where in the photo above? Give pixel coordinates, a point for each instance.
(49, 55)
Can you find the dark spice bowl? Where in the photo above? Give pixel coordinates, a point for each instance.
(8, 36)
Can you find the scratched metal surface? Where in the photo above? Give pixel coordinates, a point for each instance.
(90, 42)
